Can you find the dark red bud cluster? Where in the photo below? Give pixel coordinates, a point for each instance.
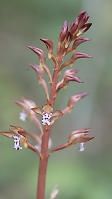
(77, 28)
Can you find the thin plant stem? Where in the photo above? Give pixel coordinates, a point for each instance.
(43, 165)
(44, 146)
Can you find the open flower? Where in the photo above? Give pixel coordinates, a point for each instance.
(79, 136)
(18, 135)
(20, 138)
(48, 116)
(27, 105)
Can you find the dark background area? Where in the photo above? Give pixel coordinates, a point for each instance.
(79, 175)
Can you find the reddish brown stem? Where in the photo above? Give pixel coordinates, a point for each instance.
(43, 164)
(53, 88)
(42, 178)
(63, 146)
(45, 140)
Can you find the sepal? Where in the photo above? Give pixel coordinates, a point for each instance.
(40, 53)
(41, 79)
(64, 31)
(27, 105)
(79, 41)
(49, 45)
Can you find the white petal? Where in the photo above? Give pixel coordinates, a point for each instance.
(23, 115)
(82, 146)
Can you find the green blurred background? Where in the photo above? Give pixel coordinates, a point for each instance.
(78, 175)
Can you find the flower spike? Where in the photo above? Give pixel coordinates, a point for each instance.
(68, 42)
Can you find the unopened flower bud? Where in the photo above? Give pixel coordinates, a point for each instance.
(73, 27)
(82, 18)
(75, 98)
(63, 32)
(79, 41)
(83, 29)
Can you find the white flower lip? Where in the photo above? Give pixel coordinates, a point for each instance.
(46, 119)
(23, 115)
(81, 146)
(17, 146)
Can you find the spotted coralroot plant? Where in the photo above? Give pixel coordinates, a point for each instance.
(69, 40)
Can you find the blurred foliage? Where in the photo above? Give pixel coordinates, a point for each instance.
(79, 175)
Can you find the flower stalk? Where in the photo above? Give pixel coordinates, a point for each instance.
(68, 42)
(43, 165)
